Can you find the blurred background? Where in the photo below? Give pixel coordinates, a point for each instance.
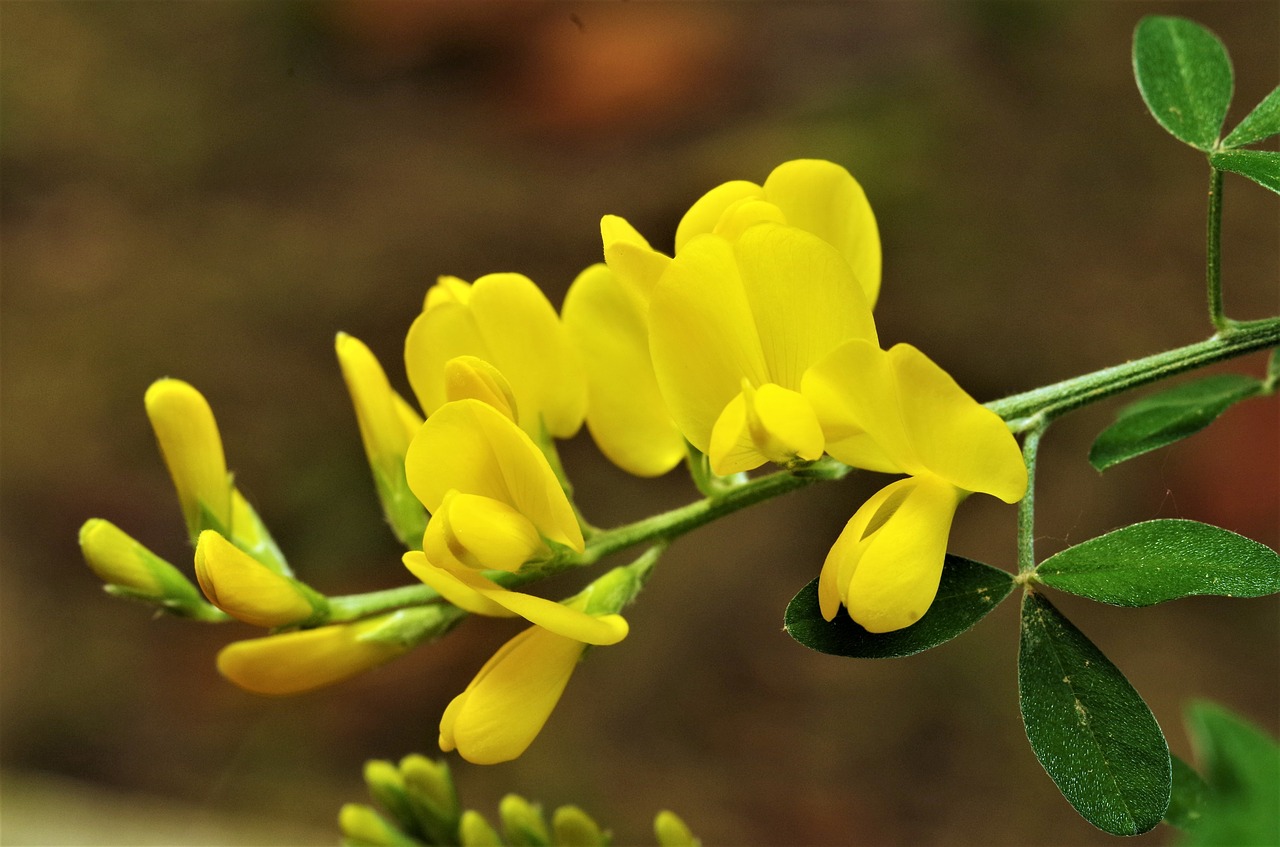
(211, 191)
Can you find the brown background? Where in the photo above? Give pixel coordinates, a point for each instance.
(212, 190)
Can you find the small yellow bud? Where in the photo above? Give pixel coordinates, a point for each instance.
(119, 560)
(244, 588)
(475, 831)
(192, 450)
(522, 821)
(431, 783)
(470, 376)
(672, 832)
(575, 828)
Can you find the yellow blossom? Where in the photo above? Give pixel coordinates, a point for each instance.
(505, 707)
(294, 662)
(898, 412)
(507, 321)
(120, 561)
(817, 196)
(192, 450)
(246, 589)
(733, 328)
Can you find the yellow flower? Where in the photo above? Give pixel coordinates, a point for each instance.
(505, 320)
(387, 424)
(505, 707)
(733, 328)
(626, 414)
(192, 450)
(898, 412)
(246, 589)
(306, 659)
(817, 196)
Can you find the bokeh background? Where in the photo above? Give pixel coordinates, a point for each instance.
(212, 190)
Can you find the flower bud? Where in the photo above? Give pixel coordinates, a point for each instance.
(575, 828)
(192, 450)
(522, 822)
(431, 793)
(363, 827)
(672, 832)
(245, 588)
(475, 831)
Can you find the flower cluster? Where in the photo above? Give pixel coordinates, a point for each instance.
(753, 342)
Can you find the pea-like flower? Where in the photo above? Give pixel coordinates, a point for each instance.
(505, 707)
(500, 318)
(733, 328)
(898, 412)
(244, 588)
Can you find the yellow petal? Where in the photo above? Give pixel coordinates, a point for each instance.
(460, 585)
(637, 266)
(561, 619)
(705, 213)
(300, 661)
(900, 553)
(854, 393)
(385, 428)
(626, 414)
(822, 198)
(702, 336)
(803, 299)
(954, 436)
(470, 446)
(769, 424)
(448, 289)
(506, 705)
(192, 450)
(244, 588)
(472, 377)
(488, 534)
(744, 213)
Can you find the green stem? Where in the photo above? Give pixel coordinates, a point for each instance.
(1027, 506)
(1213, 253)
(1051, 401)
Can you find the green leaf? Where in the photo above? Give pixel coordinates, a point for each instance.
(1242, 767)
(1261, 166)
(1090, 730)
(1260, 124)
(1186, 804)
(1169, 416)
(1185, 78)
(1161, 560)
(967, 592)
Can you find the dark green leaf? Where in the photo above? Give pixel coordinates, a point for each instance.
(967, 592)
(1088, 727)
(1189, 792)
(1261, 166)
(1185, 78)
(1161, 560)
(1169, 416)
(1242, 767)
(1260, 124)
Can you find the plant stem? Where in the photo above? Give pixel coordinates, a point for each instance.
(1051, 401)
(1213, 253)
(1027, 506)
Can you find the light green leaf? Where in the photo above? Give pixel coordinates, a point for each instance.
(1260, 124)
(1187, 801)
(967, 592)
(1242, 768)
(1184, 75)
(1090, 730)
(1261, 166)
(1169, 416)
(1161, 560)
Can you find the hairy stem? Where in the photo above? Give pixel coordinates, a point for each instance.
(1213, 252)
